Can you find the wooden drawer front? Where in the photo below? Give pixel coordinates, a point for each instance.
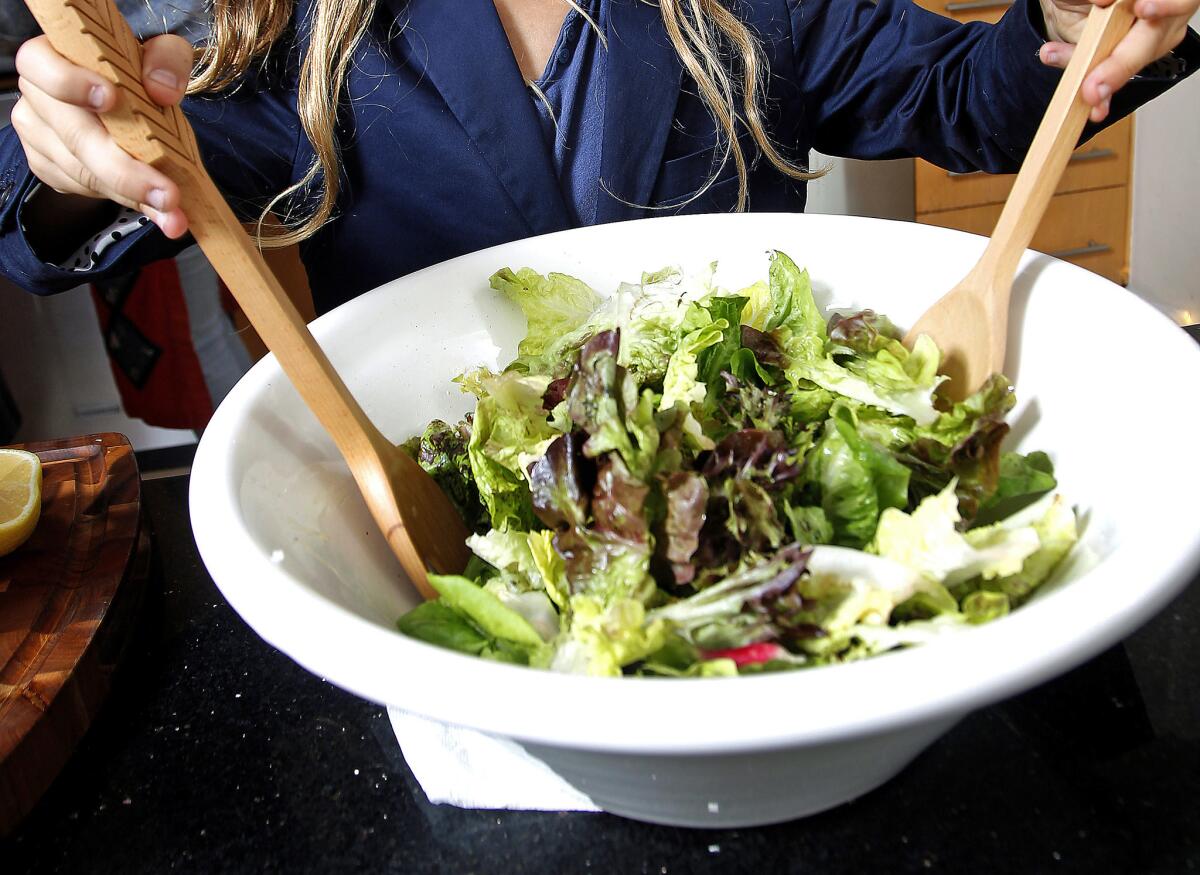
(1102, 161)
(1089, 228)
(968, 10)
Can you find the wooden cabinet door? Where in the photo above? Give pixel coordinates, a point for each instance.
(1087, 228)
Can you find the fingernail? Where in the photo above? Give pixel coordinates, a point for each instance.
(1149, 10)
(1051, 56)
(1104, 91)
(157, 198)
(97, 96)
(165, 78)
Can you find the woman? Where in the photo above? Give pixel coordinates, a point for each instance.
(392, 134)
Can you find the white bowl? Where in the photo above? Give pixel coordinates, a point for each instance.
(1106, 386)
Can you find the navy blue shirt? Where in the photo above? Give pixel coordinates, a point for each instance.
(569, 99)
(444, 153)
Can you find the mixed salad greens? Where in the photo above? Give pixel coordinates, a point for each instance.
(682, 481)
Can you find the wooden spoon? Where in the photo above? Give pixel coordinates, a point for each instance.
(970, 322)
(420, 524)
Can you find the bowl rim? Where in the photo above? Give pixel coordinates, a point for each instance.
(663, 715)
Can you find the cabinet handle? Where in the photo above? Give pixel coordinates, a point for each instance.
(1090, 155)
(965, 5)
(1091, 249)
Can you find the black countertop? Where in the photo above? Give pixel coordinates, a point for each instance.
(215, 753)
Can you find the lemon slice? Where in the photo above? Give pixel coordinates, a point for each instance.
(20, 497)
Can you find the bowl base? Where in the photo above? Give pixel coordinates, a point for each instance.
(753, 788)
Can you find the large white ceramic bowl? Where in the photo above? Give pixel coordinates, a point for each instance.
(1106, 385)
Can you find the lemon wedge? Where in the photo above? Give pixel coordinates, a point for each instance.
(20, 497)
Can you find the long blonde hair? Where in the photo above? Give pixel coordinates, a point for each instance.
(243, 31)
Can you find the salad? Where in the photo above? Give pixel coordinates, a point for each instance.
(683, 481)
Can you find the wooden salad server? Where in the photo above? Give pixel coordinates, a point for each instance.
(420, 524)
(970, 322)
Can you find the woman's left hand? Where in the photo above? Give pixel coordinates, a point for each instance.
(1160, 27)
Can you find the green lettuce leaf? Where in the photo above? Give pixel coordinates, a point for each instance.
(964, 443)
(438, 623)
(884, 375)
(808, 525)
(928, 541)
(508, 550)
(982, 606)
(510, 430)
(1057, 531)
(605, 637)
(856, 479)
(759, 303)
(561, 312)
(653, 318)
(681, 384)
(484, 609)
(603, 401)
(1022, 480)
(725, 312)
(442, 451)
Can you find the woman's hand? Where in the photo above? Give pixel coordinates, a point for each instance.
(1160, 27)
(69, 149)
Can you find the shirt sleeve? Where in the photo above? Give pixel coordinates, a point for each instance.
(249, 140)
(893, 80)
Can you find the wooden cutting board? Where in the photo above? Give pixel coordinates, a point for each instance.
(68, 599)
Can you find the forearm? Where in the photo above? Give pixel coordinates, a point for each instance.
(900, 81)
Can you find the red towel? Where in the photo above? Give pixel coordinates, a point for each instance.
(144, 319)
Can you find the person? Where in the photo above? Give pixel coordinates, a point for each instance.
(387, 135)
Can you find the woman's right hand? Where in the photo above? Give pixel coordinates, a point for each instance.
(70, 150)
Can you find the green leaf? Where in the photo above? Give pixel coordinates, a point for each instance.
(983, 607)
(726, 313)
(759, 303)
(603, 400)
(550, 567)
(793, 306)
(681, 384)
(484, 609)
(746, 368)
(508, 551)
(857, 480)
(655, 315)
(884, 375)
(809, 525)
(510, 430)
(1057, 532)
(558, 309)
(439, 624)
(928, 541)
(605, 637)
(1022, 481)
(442, 451)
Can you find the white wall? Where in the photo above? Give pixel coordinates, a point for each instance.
(1164, 263)
(881, 189)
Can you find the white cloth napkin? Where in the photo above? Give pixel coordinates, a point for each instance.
(469, 769)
